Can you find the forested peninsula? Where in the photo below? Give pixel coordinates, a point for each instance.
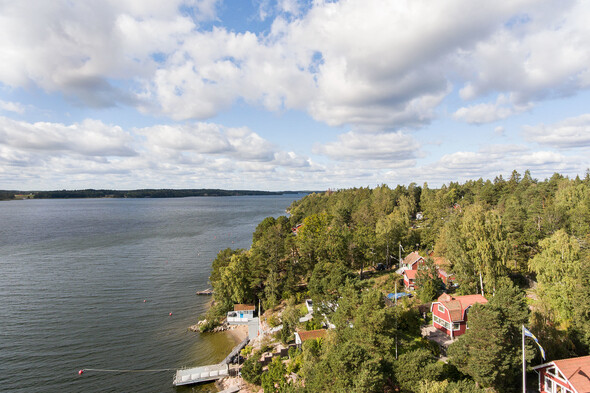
(519, 242)
(144, 193)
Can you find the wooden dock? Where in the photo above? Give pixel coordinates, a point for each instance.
(189, 376)
(206, 292)
(236, 351)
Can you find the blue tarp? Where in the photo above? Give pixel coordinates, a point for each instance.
(399, 295)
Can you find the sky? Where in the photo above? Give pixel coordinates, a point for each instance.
(290, 94)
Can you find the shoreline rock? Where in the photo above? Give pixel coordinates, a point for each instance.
(197, 327)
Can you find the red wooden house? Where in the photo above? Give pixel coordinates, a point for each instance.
(449, 313)
(413, 260)
(410, 279)
(565, 376)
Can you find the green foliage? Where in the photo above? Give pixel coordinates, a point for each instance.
(313, 323)
(290, 318)
(209, 325)
(247, 350)
(477, 248)
(273, 321)
(326, 283)
(488, 230)
(558, 268)
(274, 378)
(252, 369)
(293, 352)
(490, 350)
(415, 366)
(358, 355)
(427, 281)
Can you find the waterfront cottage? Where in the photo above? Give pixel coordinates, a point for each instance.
(241, 314)
(449, 313)
(565, 376)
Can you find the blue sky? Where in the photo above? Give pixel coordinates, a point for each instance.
(287, 94)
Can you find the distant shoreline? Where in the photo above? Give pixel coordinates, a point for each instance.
(141, 193)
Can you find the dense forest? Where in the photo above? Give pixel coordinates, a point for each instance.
(146, 193)
(521, 242)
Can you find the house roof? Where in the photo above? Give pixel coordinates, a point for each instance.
(244, 307)
(444, 273)
(411, 274)
(458, 304)
(412, 258)
(441, 262)
(305, 335)
(576, 370)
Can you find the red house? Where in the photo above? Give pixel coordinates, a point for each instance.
(413, 260)
(565, 376)
(410, 279)
(449, 313)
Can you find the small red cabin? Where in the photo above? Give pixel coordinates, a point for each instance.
(449, 313)
(565, 376)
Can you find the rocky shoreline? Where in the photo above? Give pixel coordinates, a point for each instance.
(221, 328)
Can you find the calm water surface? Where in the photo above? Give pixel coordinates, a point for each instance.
(74, 275)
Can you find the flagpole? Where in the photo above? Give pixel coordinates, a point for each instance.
(523, 364)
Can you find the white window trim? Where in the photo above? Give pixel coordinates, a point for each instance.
(556, 375)
(546, 387)
(441, 308)
(564, 389)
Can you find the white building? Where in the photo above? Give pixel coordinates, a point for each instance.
(241, 314)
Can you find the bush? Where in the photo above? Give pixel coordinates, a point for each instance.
(273, 321)
(302, 310)
(293, 351)
(252, 369)
(247, 350)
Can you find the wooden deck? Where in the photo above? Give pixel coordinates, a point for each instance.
(189, 376)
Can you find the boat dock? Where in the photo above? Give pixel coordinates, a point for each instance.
(207, 292)
(189, 376)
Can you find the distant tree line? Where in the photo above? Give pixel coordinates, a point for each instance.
(145, 193)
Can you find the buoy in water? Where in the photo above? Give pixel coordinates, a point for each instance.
(170, 314)
(80, 372)
(144, 300)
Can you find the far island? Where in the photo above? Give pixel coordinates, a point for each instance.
(143, 193)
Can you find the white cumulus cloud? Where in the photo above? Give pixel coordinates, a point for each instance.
(568, 133)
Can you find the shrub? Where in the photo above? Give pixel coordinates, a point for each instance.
(273, 321)
(247, 350)
(252, 369)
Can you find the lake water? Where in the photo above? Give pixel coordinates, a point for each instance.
(74, 275)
